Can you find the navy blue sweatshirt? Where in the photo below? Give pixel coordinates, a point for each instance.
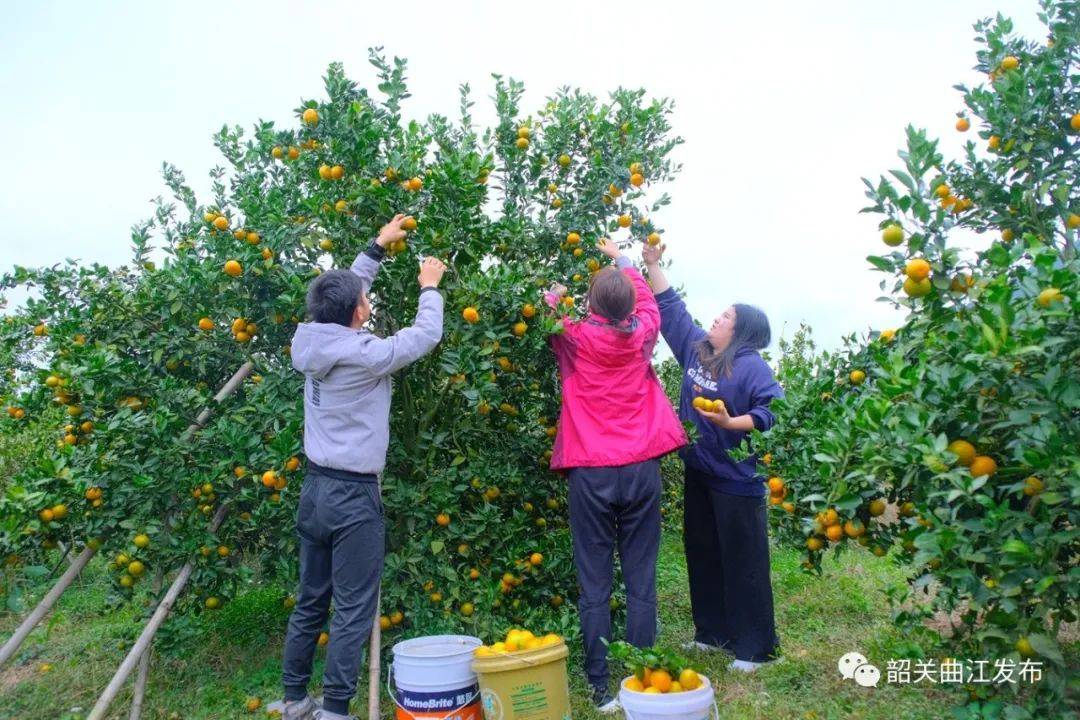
(748, 390)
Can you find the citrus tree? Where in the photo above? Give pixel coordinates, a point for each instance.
(117, 363)
(952, 443)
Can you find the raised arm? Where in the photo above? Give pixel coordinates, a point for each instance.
(388, 355)
(645, 307)
(366, 265)
(678, 328)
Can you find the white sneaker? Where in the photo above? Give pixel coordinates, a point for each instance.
(700, 647)
(605, 702)
(744, 665)
(299, 710)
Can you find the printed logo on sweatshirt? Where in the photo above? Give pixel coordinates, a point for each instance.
(702, 378)
(316, 393)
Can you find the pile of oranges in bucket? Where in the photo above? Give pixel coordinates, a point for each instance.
(662, 681)
(516, 641)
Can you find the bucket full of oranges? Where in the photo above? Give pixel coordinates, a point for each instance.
(662, 686)
(523, 676)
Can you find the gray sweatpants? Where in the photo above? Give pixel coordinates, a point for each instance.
(609, 506)
(340, 524)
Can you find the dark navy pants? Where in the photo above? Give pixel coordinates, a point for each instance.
(609, 507)
(340, 524)
(727, 558)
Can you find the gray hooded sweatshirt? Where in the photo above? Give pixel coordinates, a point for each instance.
(347, 385)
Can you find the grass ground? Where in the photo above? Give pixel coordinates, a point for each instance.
(237, 652)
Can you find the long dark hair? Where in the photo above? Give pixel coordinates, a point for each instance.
(751, 331)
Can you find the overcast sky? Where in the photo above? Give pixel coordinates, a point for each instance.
(783, 106)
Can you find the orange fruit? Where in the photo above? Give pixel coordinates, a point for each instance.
(311, 116)
(877, 507)
(253, 704)
(521, 143)
(994, 142)
(223, 551)
(917, 288)
(415, 184)
(789, 507)
(470, 315)
(536, 559)
(523, 132)
(520, 329)
(442, 519)
(324, 172)
(854, 528)
(221, 222)
(1007, 235)
(528, 310)
(276, 153)
(963, 124)
(564, 160)
(689, 679)
(776, 485)
(625, 220)
(467, 609)
(1033, 486)
(892, 235)
(963, 450)
(1048, 296)
(814, 543)
(294, 153)
(233, 268)
(212, 603)
(337, 172)
(637, 179)
(1074, 122)
(857, 377)
(835, 533)
(1010, 62)
(324, 638)
(661, 680)
(634, 685)
(982, 465)
(917, 269)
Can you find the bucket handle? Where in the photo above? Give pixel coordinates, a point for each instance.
(715, 707)
(468, 701)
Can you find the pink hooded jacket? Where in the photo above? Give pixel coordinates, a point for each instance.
(614, 411)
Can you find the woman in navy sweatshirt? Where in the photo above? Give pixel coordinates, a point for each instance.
(724, 516)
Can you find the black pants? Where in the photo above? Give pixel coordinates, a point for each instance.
(609, 506)
(340, 524)
(727, 558)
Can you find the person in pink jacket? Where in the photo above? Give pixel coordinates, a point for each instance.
(615, 425)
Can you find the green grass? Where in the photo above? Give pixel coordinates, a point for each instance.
(236, 652)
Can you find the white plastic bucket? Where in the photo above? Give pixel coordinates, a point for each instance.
(433, 678)
(697, 704)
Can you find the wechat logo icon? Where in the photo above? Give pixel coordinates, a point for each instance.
(855, 666)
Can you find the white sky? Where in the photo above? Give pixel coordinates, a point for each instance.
(783, 105)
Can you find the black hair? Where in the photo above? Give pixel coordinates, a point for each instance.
(333, 297)
(751, 331)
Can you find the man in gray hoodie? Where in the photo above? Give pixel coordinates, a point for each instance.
(346, 434)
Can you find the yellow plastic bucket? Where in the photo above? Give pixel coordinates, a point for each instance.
(525, 685)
